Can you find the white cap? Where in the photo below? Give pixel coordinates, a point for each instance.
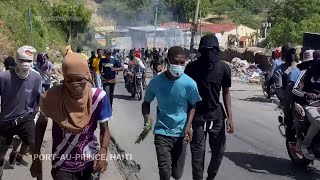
(308, 55)
(26, 53)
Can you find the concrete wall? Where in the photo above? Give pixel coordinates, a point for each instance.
(240, 30)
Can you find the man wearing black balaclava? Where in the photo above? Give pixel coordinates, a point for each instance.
(282, 72)
(211, 76)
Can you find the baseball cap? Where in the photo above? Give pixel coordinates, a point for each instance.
(308, 55)
(26, 53)
(209, 41)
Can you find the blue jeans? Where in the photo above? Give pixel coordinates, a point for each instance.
(98, 81)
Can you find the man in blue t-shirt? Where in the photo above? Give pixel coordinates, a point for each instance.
(108, 67)
(177, 95)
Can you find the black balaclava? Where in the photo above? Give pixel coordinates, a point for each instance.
(288, 52)
(315, 67)
(209, 49)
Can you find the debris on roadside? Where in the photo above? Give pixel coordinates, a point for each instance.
(242, 70)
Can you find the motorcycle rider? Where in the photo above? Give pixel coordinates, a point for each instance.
(307, 88)
(277, 61)
(282, 72)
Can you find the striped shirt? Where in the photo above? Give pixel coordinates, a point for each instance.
(75, 152)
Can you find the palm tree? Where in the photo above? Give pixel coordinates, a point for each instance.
(232, 39)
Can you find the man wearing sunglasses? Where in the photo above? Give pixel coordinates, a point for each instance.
(20, 90)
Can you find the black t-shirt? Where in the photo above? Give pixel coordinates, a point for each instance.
(210, 83)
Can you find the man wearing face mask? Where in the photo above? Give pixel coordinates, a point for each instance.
(211, 76)
(177, 95)
(76, 115)
(17, 114)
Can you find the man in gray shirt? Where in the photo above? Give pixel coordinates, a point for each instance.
(20, 91)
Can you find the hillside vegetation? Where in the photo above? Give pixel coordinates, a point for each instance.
(50, 24)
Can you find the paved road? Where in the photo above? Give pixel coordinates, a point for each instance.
(255, 151)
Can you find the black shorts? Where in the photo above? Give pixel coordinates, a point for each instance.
(86, 174)
(25, 129)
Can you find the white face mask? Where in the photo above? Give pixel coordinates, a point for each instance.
(176, 70)
(23, 68)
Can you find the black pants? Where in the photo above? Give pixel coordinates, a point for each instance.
(217, 141)
(25, 129)
(85, 174)
(109, 88)
(171, 155)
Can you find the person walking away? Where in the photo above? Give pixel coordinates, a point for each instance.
(77, 154)
(68, 50)
(177, 95)
(46, 70)
(108, 67)
(211, 75)
(307, 88)
(9, 63)
(17, 114)
(95, 65)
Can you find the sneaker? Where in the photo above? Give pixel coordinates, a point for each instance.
(298, 147)
(21, 161)
(12, 158)
(307, 152)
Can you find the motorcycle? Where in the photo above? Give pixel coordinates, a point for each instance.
(287, 129)
(264, 83)
(134, 85)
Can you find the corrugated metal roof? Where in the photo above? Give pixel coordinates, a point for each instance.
(146, 28)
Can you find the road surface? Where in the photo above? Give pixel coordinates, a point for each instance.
(256, 151)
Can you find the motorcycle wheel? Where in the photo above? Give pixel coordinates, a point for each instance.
(264, 90)
(297, 159)
(140, 92)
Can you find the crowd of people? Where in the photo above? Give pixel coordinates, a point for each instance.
(84, 99)
(188, 106)
(296, 77)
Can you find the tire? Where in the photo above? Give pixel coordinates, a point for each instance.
(140, 92)
(295, 159)
(264, 90)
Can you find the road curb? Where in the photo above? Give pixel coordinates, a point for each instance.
(128, 169)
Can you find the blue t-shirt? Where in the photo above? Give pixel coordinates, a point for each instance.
(105, 68)
(173, 99)
(294, 75)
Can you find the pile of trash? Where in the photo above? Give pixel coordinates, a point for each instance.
(243, 71)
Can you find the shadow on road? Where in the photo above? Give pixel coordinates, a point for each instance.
(261, 164)
(123, 97)
(243, 90)
(257, 99)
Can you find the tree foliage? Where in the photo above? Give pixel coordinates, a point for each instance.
(291, 18)
(68, 14)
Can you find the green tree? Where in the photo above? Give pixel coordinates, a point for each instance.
(220, 7)
(291, 18)
(245, 17)
(69, 14)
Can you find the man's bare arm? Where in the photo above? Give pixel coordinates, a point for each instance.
(104, 135)
(40, 129)
(227, 102)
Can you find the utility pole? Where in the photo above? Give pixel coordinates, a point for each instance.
(30, 23)
(194, 25)
(155, 25)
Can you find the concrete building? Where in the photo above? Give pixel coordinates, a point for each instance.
(228, 34)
